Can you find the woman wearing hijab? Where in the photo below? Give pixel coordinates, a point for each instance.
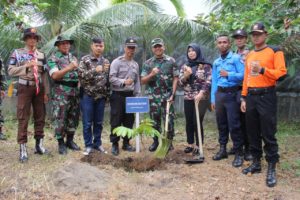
(195, 78)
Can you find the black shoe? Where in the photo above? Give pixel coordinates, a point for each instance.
(238, 159)
(127, 147)
(39, 147)
(115, 149)
(2, 136)
(153, 146)
(23, 153)
(271, 175)
(231, 151)
(188, 149)
(71, 144)
(221, 154)
(62, 149)
(196, 152)
(255, 167)
(247, 155)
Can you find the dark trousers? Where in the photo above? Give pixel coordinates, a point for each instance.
(118, 115)
(92, 120)
(191, 121)
(244, 129)
(261, 125)
(228, 119)
(26, 99)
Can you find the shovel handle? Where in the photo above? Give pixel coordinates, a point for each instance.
(167, 117)
(198, 128)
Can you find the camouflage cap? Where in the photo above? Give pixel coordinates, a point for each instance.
(62, 38)
(31, 32)
(156, 41)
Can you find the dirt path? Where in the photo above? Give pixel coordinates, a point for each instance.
(106, 177)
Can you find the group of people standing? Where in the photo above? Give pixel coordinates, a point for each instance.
(239, 86)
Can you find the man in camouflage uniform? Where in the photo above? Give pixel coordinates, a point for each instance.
(28, 64)
(93, 74)
(65, 93)
(125, 82)
(2, 91)
(160, 75)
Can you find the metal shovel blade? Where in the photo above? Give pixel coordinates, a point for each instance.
(194, 160)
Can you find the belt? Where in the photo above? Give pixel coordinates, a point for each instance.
(27, 82)
(124, 93)
(229, 89)
(259, 91)
(72, 84)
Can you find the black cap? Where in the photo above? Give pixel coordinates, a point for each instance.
(258, 28)
(97, 40)
(239, 32)
(31, 32)
(130, 42)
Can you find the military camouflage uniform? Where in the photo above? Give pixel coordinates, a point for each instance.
(159, 89)
(3, 87)
(65, 96)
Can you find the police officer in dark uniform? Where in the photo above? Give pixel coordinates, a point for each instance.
(240, 37)
(125, 82)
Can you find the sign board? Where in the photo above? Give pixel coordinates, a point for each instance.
(137, 104)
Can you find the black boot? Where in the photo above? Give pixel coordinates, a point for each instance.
(247, 154)
(154, 145)
(23, 153)
(62, 149)
(271, 175)
(71, 144)
(231, 151)
(127, 146)
(2, 136)
(39, 147)
(255, 167)
(115, 149)
(221, 153)
(238, 158)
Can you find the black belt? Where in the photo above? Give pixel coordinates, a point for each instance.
(124, 93)
(73, 84)
(259, 91)
(229, 89)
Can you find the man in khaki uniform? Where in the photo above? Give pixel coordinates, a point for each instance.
(28, 64)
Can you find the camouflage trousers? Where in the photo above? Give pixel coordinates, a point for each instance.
(1, 116)
(158, 112)
(66, 115)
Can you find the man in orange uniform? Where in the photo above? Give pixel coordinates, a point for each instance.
(263, 67)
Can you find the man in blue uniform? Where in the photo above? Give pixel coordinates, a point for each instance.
(227, 76)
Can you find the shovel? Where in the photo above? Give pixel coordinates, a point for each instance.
(198, 158)
(164, 142)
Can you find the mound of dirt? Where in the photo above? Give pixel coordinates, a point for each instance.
(138, 163)
(80, 177)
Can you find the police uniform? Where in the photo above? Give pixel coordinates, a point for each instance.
(261, 105)
(224, 95)
(160, 89)
(65, 98)
(94, 93)
(120, 70)
(32, 86)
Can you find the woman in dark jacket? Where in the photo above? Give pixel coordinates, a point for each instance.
(195, 78)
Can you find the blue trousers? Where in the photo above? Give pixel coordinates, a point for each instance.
(92, 120)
